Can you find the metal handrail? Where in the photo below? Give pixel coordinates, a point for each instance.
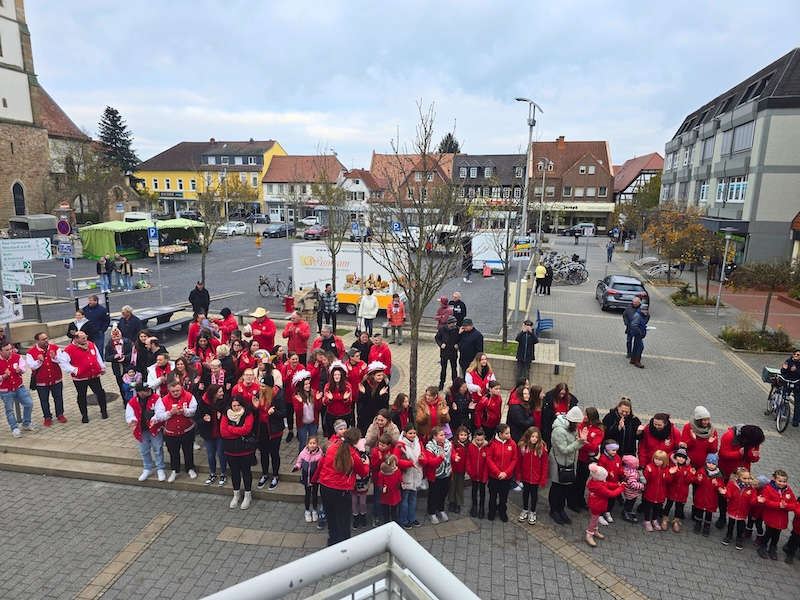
(350, 553)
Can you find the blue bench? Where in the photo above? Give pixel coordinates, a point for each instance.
(542, 324)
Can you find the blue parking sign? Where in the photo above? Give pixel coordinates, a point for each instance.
(396, 226)
(354, 227)
(152, 233)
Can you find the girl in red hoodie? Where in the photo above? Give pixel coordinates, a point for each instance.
(709, 486)
(478, 472)
(778, 500)
(611, 461)
(656, 475)
(601, 490)
(502, 462)
(459, 464)
(390, 481)
(741, 495)
(586, 454)
(531, 471)
(489, 409)
(681, 476)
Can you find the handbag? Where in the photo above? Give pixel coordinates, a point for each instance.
(566, 474)
(249, 441)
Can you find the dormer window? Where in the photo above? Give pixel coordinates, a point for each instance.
(582, 169)
(225, 160)
(518, 172)
(473, 172)
(488, 172)
(462, 172)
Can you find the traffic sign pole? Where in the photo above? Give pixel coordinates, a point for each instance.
(152, 235)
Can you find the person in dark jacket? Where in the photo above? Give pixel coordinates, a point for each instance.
(557, 401)
(638, 327)
(459, 308)
(622, 426)
(199, 298)
(627, 315)
(548, 280)
(118, 352)
(458, 401)
(235, 428)
(143, 357)
(98, 317)
(526, 350)
(790, 370)
(520, 413)
(81, 323)
(129, 324)
(470, 343)
(270, 408)
(363, 344)
(447, 340)
(209, 410)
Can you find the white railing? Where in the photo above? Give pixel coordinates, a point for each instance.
(418, 574)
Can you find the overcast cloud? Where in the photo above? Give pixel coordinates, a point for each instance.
(347, 75)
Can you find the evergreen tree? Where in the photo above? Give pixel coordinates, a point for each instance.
(117, 140)
(449, 144)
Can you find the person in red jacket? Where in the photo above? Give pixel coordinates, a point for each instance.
(594, 436)
(611, 461)
(307, 403)
(656, 475)
(247, 387)
(236, 427)
(380, 352)
(336, 475)
(46, 372)
(601, 490)
(226, 324)
(13, 390)
(699, 436)
(739, 447)
(263, 329)
(356, 371)
(741, 495)
(396, 312)
(269, 408)
(478, 472)
(390, 481)
(386, 446)
(501, 460)
(755, 520)
(176, 411)
(297, 333)
(83, 361)
(337, 397)
(794, 539)
(681, 475)
(328, 341)
(658, 434)
(532, 471)
(458, 460)
(489, 409)
(709, 486)
(140, 417)
(242, 359)
(288, 371)
(778, 500)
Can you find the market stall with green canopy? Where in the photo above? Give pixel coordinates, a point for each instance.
(130, 239)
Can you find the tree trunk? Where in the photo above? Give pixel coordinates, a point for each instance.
(766, 312)
(412, 360)
(696, 288)
(505, 307)
(203, 252)
(708, 278)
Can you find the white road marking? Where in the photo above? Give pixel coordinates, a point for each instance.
(271, 262)
(657, 356)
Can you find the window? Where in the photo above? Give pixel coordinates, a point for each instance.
(473, 172)
(471, 192)
(550, 166)
(682, 190)
(518, 172)
(727, 105)
(180, 184)
(462, 172)
(591, 192)
(243, 177)
(283, 188)
(737, 188)
(708, 148)
(687, 156)
(167, 184)
(417, 176)
(579, 192)
(193, 185)
(537, 192)
(430, 177)
(254, 181)
(5, 103)
(226, 160)
(743, 137)
(208, 179)
(496, 191)
(488, 172)
(582, 169)
(727, 138)
(567, 190)
(550, 191)
(212, 160)
(410, 194)
(702, 187)
(761, 85)
(721, 190)
(155, 183)
(251, 160)
(603, 191)
(269, 188)
(238, 160)
(517, 192)
(591, 169)
(540, 166)
(506, 193)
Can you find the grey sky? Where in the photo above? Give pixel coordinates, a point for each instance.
(346, 75)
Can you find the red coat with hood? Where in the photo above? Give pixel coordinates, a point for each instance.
(443, 312)
(699, 448)
(648, 444)
(459, 465)
(477, 468)
(775, 516)
(612, 465)
(656, 488)
(492, 405)
(532, 468)
(731, 456)
(706, 491)
(599, 494)
(678, 485)
(740, 499)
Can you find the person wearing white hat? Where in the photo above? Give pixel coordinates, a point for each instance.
(337, 397)
(373, 394)
(263, 328)
(306, 406)
(566, 441)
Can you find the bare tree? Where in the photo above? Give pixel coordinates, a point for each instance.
(239, 193)
(212, 214)
(417, 251)
(90, 178)
(502, 242)
(333, 199)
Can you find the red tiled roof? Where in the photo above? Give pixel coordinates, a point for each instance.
(564, 154)
(395, 168)
(49, 115)
(373, 183)
(283, 169)
(628, 172)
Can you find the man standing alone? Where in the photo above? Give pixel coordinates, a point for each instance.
(526, 345)
(627, 315)
(447, 338)
(199, 298)
(329, 305)
(97, 315)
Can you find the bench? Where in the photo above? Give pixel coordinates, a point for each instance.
(542, 324)
(181, 322)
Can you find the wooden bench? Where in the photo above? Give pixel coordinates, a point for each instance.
(542, 324)
(181, 323)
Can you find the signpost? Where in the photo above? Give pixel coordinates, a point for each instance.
(16, 256)
(152, 237)
(13, 279)
(63, 227)
(25, 249)
(396, 226)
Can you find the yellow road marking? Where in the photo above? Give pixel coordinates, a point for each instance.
(660, 357)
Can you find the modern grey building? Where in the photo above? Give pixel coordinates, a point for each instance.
(738, 159)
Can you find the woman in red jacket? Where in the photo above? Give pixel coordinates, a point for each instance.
(699, 436)
(236, 429)
(270, 409)
(337, 397)
(501, 459)
(587, 453)
(778, 500)
(336, 475)
(226, 324)
(478, 472)
(531, 471)
(658, 434)
(242, 359)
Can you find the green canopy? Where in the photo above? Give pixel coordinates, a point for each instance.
(100, 239)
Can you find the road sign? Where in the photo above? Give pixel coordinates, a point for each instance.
(63, 227)
(152, 233)
(120, 207)
(397, 226)
(25, 249)
(68, 263)
(65, 248)
(9, 311)
(12, 279)
(354, 227)
(18, 265)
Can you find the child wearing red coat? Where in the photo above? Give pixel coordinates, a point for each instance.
(755, 520)
(681, 476)
(778, 500)
(709, 486)
(459, 461)
(390, 481)
(738, 447)
(478, 472)
(586, 453)
(657, 475)
(489, 409)
(794, 539)
(502, 462)
(600, 492)
(611, 461)
(532, 470)
(741, 495)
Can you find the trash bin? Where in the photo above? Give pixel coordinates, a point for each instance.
(627, 245)
(288, 303)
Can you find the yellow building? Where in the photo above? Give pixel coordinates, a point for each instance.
(179, 173)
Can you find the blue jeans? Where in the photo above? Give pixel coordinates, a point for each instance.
(117, 278)
(127, 282)
(23, 396)
(306, 430)
(408, 507)
(105, 282)
(214, 450)
(154, 443)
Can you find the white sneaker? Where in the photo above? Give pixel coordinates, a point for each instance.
(608, 518)
(434, 519)
(145, 474)
(532, 518)
(195, 446)
(314, 516)
(235, 502)
(172, 476)
(601, 519)
(248, 497)
(518, 487)
(161, 475)
(16, 432)
(308, 516)
(30, 427)
(192, 474)
(443, 516)
(523, 515)
(464, 279)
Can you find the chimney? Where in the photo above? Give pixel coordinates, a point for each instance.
(561, 144)
(212, 141)
(251, 140)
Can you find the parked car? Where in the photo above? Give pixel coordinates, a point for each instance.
(618, 291)
(233, 228)
(279, 230)
(257, 218)
(316, 232)
(367, 233)
(309, 221)
(191, 214)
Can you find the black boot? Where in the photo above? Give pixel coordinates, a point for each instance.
(762, 551)
(473, 511)
(565, 517)
(698, 525)
(556, 518)
(721, 522)
(706, 528)
(356, 522)
(481, 512)
(290, 435)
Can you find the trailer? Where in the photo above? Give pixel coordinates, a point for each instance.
(487, 247)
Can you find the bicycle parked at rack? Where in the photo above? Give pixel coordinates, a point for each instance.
(778, 397)
(273, 285)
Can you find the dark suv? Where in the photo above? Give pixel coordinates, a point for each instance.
(618, 291)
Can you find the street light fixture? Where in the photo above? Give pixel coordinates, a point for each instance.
(728, 231)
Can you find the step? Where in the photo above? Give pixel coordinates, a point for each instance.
(128, 475)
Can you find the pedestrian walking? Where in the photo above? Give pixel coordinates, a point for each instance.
(13, 390)
(199, 298)
(83, 361)
(627, 315)
(459, 308)
(638, 326)
(258, 246)
(368, 309)
(147, 431)
(46, 377)
(526, 349)
(176, 411)
(329, 305)
(609, 250)
(447, 339)
(98, 316)
(577, 235)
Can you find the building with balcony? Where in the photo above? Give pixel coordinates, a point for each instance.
(736, 158)
(634, 173)
(288, 185)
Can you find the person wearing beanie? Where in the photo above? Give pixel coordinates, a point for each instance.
(778, 499)
(700, 436)
(611, 461)
(710, 485)
(600, 492)
(755, 519)
(566, 441)
(633, 482)
(738, 447)
(681, 475)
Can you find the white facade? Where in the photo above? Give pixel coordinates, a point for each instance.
(15, 97)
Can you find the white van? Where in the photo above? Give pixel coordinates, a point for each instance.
(132, 217)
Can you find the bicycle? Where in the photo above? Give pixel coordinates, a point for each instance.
(273, 285)
(778, 397)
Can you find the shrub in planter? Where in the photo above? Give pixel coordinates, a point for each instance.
(756, 341)
(795, 292)
(683, 297)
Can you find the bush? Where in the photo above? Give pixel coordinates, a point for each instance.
(756, 341)
(683, 297)
(795, 292)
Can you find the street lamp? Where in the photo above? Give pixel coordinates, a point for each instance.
(544, 163)
(532, 106)
(728, 231)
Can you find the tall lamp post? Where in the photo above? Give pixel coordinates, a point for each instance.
(532, 106)
(728, 231)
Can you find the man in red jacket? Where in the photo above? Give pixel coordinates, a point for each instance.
(83, 361)
(263, 329)
(297, 333)
(329, 342)
(41, 359)
(140, 417)
(380, 352)
(12, 389)
(176, 411)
